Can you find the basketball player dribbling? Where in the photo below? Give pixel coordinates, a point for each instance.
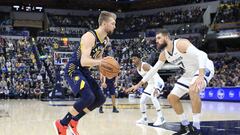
(198, 72)
(78, 75)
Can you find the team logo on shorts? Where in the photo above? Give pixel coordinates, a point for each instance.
(210, 93)
(231, 94)
(76, 78)
(220, 94)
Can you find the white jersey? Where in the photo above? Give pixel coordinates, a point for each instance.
(154, 80)
(188, 63)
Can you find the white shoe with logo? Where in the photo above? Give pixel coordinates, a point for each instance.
(159, 121)
(143, 121)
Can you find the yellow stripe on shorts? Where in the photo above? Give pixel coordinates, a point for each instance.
(82, 84)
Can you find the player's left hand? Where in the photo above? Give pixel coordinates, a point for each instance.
(198, 84)
(115, 84)
(132, 89)
(156, 92)
(136, 87)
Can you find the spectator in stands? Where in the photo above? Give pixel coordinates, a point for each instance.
(39, 78)
(229, 11)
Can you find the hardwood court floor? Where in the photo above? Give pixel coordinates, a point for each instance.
(33, 117)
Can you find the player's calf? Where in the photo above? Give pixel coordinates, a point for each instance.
(175, 103)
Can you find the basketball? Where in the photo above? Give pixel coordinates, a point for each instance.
(109, 67)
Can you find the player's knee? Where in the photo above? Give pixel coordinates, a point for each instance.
(169, 97)
(193, 92)
(84, 102)
(89, 99)
(153, 98)
(100, 100)
(194, 96)
(172, 98)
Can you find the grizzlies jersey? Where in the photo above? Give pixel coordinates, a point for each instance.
(74, 61)
(187, 62)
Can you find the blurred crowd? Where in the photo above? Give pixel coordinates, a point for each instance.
(130, 23)
(73, 21)
(19, 75)
(176, 16)
(227, 70)
(4, 19)
(229, 11)
(28, 69)
(62, 33)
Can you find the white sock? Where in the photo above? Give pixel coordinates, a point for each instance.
(156, 103)
(183, 119)
(159, 113)
(157, 106)
(196, 120)
(143, 100)
(144, 115)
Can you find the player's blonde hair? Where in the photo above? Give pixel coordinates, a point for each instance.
(105, 15)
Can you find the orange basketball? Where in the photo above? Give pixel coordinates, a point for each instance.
(109, 67)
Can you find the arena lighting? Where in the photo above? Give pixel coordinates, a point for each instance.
(228, 34)
(16, 7)
(27, 8)
(39, 8)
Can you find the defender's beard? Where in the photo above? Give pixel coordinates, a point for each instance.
(162, 46)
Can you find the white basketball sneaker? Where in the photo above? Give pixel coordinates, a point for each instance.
(159, 121)
(143, 121)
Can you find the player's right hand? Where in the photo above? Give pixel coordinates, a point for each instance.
(104, 85)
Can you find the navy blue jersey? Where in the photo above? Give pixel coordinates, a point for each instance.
(110, 81)
(74, 61)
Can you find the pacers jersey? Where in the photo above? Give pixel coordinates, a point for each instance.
(97, 50)
(188, 63)
(110, 81)
(155, 78)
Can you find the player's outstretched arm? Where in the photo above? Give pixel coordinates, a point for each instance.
(154, 69)
(87, 43)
